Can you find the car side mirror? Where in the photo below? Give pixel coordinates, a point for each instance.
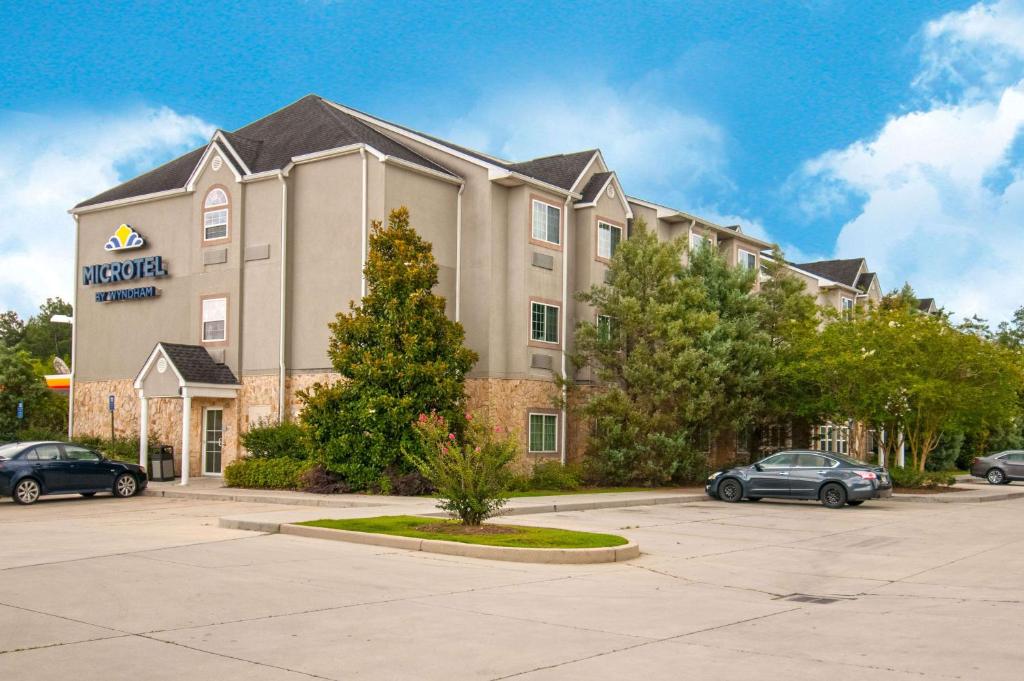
(758, 467)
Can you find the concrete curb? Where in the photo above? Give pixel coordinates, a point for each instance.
(611, 554)
(259, 498)
(955, 497)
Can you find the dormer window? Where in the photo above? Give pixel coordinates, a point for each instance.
(215, 215)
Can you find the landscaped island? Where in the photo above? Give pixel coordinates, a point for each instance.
(512, 536)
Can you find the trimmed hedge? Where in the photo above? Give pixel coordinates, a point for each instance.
(280, 473)
(910, 478)
(276, 440)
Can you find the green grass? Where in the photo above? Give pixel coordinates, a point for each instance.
(527, 537)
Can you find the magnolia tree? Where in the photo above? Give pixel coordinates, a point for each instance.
(398, 356)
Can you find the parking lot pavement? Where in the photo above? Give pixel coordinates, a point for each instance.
(151, 588)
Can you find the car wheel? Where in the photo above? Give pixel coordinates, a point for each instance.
(125, 485)
(833, 495)
(88, 494)
(730, 490)
(855, 502)
(995, 476)
(27, 491)
(753, 498)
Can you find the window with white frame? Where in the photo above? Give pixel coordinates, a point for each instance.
(215, 215)
(747, 260)
(847, 306)
(831, 438)
(544, 322)
(608, 237)
(698, 241)
(215, 318)
(547, 220)
(543, 434)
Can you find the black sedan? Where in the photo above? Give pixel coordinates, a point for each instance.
(833, 479)
(29, 470)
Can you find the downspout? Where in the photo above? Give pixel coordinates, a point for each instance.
(458, 253)
(74, 340)
(281, 379)
(365, 234)
(565, 323)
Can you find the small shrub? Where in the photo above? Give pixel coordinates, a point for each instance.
(412, 484)
(120, 449)
(317, 479)
(549, 475)
(254, 473)
(269, 440)
(914, 479)
(471, 476)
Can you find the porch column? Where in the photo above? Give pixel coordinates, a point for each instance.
(143, 430)
(903, 451)
(186, 429)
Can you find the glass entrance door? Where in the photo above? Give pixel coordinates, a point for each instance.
(213, 434)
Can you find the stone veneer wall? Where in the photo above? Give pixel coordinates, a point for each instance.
(93, 418)
(506, 401)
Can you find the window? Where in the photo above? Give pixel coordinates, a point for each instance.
(608, 237)
(73, 453)
(215, 315)
(831, 438)
(215, 215)
(44, 453)
(780, 461)
(847, 306)
(698, 241)
(813, 461)
(606, 327)
(546, 222)
(543, 433)
(543, 322)
(747, 260)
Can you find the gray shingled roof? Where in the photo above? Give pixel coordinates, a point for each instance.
(304, 127)
(842, 271)
(561, 170)
(195, 365)
(925, 304)
(593, 186)
(864, 280)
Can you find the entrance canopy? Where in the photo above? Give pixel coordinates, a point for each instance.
(180, 371)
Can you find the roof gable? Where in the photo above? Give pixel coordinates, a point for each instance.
(841, 271)
(560, 170)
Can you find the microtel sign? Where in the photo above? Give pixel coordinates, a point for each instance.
(125, 270)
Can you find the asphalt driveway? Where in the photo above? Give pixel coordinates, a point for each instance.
(151, 588)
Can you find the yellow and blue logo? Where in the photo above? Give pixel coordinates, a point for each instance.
(124, 238)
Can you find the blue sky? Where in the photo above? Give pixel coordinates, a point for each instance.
(834, 128)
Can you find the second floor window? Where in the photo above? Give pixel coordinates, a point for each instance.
(698, 241)
(747, 260)
(543, 323)
(608, 237)
(215, 215)
(847, 306)
(606, 327)
(546, 222)
(215, 317)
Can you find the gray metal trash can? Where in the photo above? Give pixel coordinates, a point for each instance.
(161, 463)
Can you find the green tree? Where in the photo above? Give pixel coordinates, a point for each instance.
(657, 383)
(1010, 334)
(398, 356)
(900, 370)
(12, 329)
(19, 383)
(45, 339)
(738, 345)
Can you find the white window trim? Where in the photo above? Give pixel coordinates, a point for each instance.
(529, 426)
(741, 253)
(529, 330)
(203, 321)
(610, 226)
(704, 239)
(533, 234)
(208, 208)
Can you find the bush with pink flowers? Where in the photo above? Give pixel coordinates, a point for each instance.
(471, 473)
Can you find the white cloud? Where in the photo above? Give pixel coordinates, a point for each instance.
(659, 152)
(50, 163)
(942, 188)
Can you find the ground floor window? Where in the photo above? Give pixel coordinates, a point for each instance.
(543, 434)
(831, 438)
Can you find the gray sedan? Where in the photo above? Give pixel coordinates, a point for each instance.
(1001, 468)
